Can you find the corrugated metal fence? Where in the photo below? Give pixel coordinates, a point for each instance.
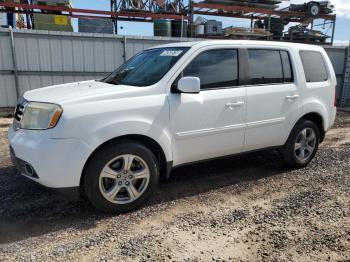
(45, 58)
(338, 56)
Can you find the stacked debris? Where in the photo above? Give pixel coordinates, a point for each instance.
(95, 25)
(52, 20)
(10, 18)
(246, 33)
(275, 25)
(303, 34)
(268, 4)
(202, 27)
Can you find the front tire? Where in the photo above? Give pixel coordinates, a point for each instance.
(121, 176)
(302, 144)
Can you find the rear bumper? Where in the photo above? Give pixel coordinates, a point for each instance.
(333, 115)
(57, 163)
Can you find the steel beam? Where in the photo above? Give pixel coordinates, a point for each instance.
(333, 31)
(77, 12)
(345, 95)
(14, 61)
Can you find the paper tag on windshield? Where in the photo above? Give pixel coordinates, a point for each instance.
(171, 53)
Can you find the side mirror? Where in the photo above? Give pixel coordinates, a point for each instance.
(189, 84)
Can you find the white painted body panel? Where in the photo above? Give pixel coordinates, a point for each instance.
(270, 114)
(57, 161)
(319, 97)
(202, 124)
(188, 127)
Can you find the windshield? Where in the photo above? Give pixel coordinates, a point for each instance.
(147, 67)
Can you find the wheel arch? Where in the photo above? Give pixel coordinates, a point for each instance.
(164, 164)
(318, 120)
(313, 2)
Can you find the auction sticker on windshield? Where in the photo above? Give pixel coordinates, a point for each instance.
(171, 53)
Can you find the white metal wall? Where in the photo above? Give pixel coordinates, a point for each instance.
(45, 58)
(7, 84)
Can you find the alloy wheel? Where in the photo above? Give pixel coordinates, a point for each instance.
(124, 179)
(305, 144)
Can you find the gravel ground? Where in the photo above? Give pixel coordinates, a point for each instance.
(245, 208)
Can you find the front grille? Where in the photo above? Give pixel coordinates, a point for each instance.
(19, 112)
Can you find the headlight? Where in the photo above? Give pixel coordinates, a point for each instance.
(40, 116)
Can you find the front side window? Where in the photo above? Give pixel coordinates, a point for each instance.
(268, 66)
(314, 66)
(215, 68)
(147, 67)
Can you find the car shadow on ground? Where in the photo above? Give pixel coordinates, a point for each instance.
(28, 209)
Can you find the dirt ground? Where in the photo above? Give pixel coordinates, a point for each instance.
(245, 208)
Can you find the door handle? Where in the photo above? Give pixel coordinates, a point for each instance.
(232, 105)
(292, 97)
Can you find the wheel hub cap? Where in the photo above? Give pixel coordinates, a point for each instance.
(305, 144)
(314, 10)
(124, 179)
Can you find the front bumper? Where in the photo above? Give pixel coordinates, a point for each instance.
(57, 163)
(24, 167)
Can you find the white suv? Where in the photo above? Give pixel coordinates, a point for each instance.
(171, 105)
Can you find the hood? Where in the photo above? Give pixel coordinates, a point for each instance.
(79, 92)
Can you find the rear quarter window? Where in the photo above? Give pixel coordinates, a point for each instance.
(314, 66)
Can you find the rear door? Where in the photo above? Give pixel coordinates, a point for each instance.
(273, 98)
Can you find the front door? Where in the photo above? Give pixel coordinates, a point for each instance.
(211, 123)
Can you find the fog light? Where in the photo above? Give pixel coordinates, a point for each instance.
(29, 170)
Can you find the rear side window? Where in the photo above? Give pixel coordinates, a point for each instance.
(215, 68)
(314, 66)
(269, 66)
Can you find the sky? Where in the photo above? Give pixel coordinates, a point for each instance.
(342, 9)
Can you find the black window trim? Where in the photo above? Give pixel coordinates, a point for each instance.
(290, 65)
(240, 61)
(324, 63)
(269, 84)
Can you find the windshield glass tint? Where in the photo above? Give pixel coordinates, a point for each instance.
(147, 67)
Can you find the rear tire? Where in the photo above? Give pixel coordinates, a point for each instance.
(121, 176)
(302, 144)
